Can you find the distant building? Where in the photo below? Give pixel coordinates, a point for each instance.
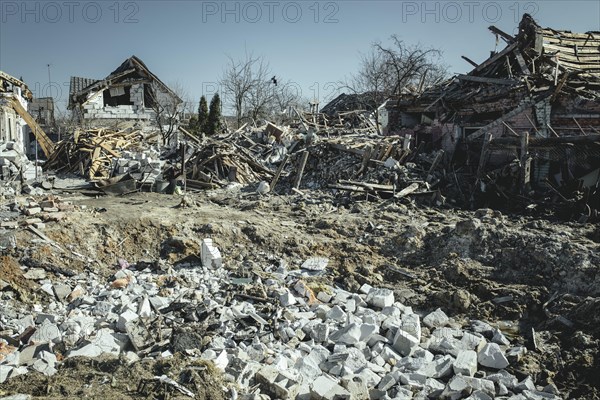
(42, 110)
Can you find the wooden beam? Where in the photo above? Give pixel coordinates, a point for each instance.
(278, 172)
(496, 57)
(525, 163)
(504, 35)
(551, 141)
(510, 129)
(467, 59)
(301, 166)
(579, 126)
(483, 79)
(484, 154)
(521, 62)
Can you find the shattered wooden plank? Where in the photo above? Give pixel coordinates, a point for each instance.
(467, 59)
(279, 171)
(521, 62)
(300, 172)
(501, 33)
(483, 79)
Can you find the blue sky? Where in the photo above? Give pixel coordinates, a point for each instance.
(311, 43)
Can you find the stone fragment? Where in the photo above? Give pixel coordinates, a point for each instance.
(466, 363)
(315, 263)
(124, 318)
(145, 310)
(320, 333)
(499, 338)
(526, 384)
(45, 333)
(515, 354)
(349, 334)
(365, 288)
(324, 297)
(326, 388)
(479, 395)
(380, 298)
(35, 274)
(411, 324)
(5, 371)
(210, 254)
(440, 367)
(61, 290)
(357, 388)
(456, 388)
(388, 381)
(287, 298)
(33, 211)
(263, 188)
(436, 319)
(404, 342)
(491, 356)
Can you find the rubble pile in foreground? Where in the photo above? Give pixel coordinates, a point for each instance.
(282, 336)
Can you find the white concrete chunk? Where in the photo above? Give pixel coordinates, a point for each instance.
(404, 342)
(326, 388)
(491, 356)
(466, 363)
(380, 298)
(350, 334)
(436, 319)
(210, 254)
(315, 263)
(124, 318)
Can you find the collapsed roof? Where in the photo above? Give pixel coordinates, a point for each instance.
(537, 63)
(7, 82)
(131, 70)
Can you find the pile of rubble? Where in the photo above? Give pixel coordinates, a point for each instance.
(14, 166)
(92, 152)
(278, 334)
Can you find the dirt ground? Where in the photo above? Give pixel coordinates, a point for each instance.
(536, 279)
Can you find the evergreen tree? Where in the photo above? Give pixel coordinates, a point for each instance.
(202, 115)
(193, 124)
(213, 124)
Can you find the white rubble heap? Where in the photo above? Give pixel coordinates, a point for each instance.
(295, 345)
(14, 163)
(145, 165)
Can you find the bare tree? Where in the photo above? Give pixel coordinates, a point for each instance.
(285, 95)
(166, 106)
(410, 65)
(262, 90)
(387, 72)
(248, 86)
(237, 81)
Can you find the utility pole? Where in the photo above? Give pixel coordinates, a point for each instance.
(49, 81)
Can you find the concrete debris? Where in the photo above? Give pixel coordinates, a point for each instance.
(343, 347)
(492, 356)
(315, 263)
(340, 347)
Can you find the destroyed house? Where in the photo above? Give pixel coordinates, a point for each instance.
(131, 92)
(368, 101)
(13, 128)
(534, 107)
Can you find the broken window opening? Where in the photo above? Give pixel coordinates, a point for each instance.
(117, 96)
(149, 96)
